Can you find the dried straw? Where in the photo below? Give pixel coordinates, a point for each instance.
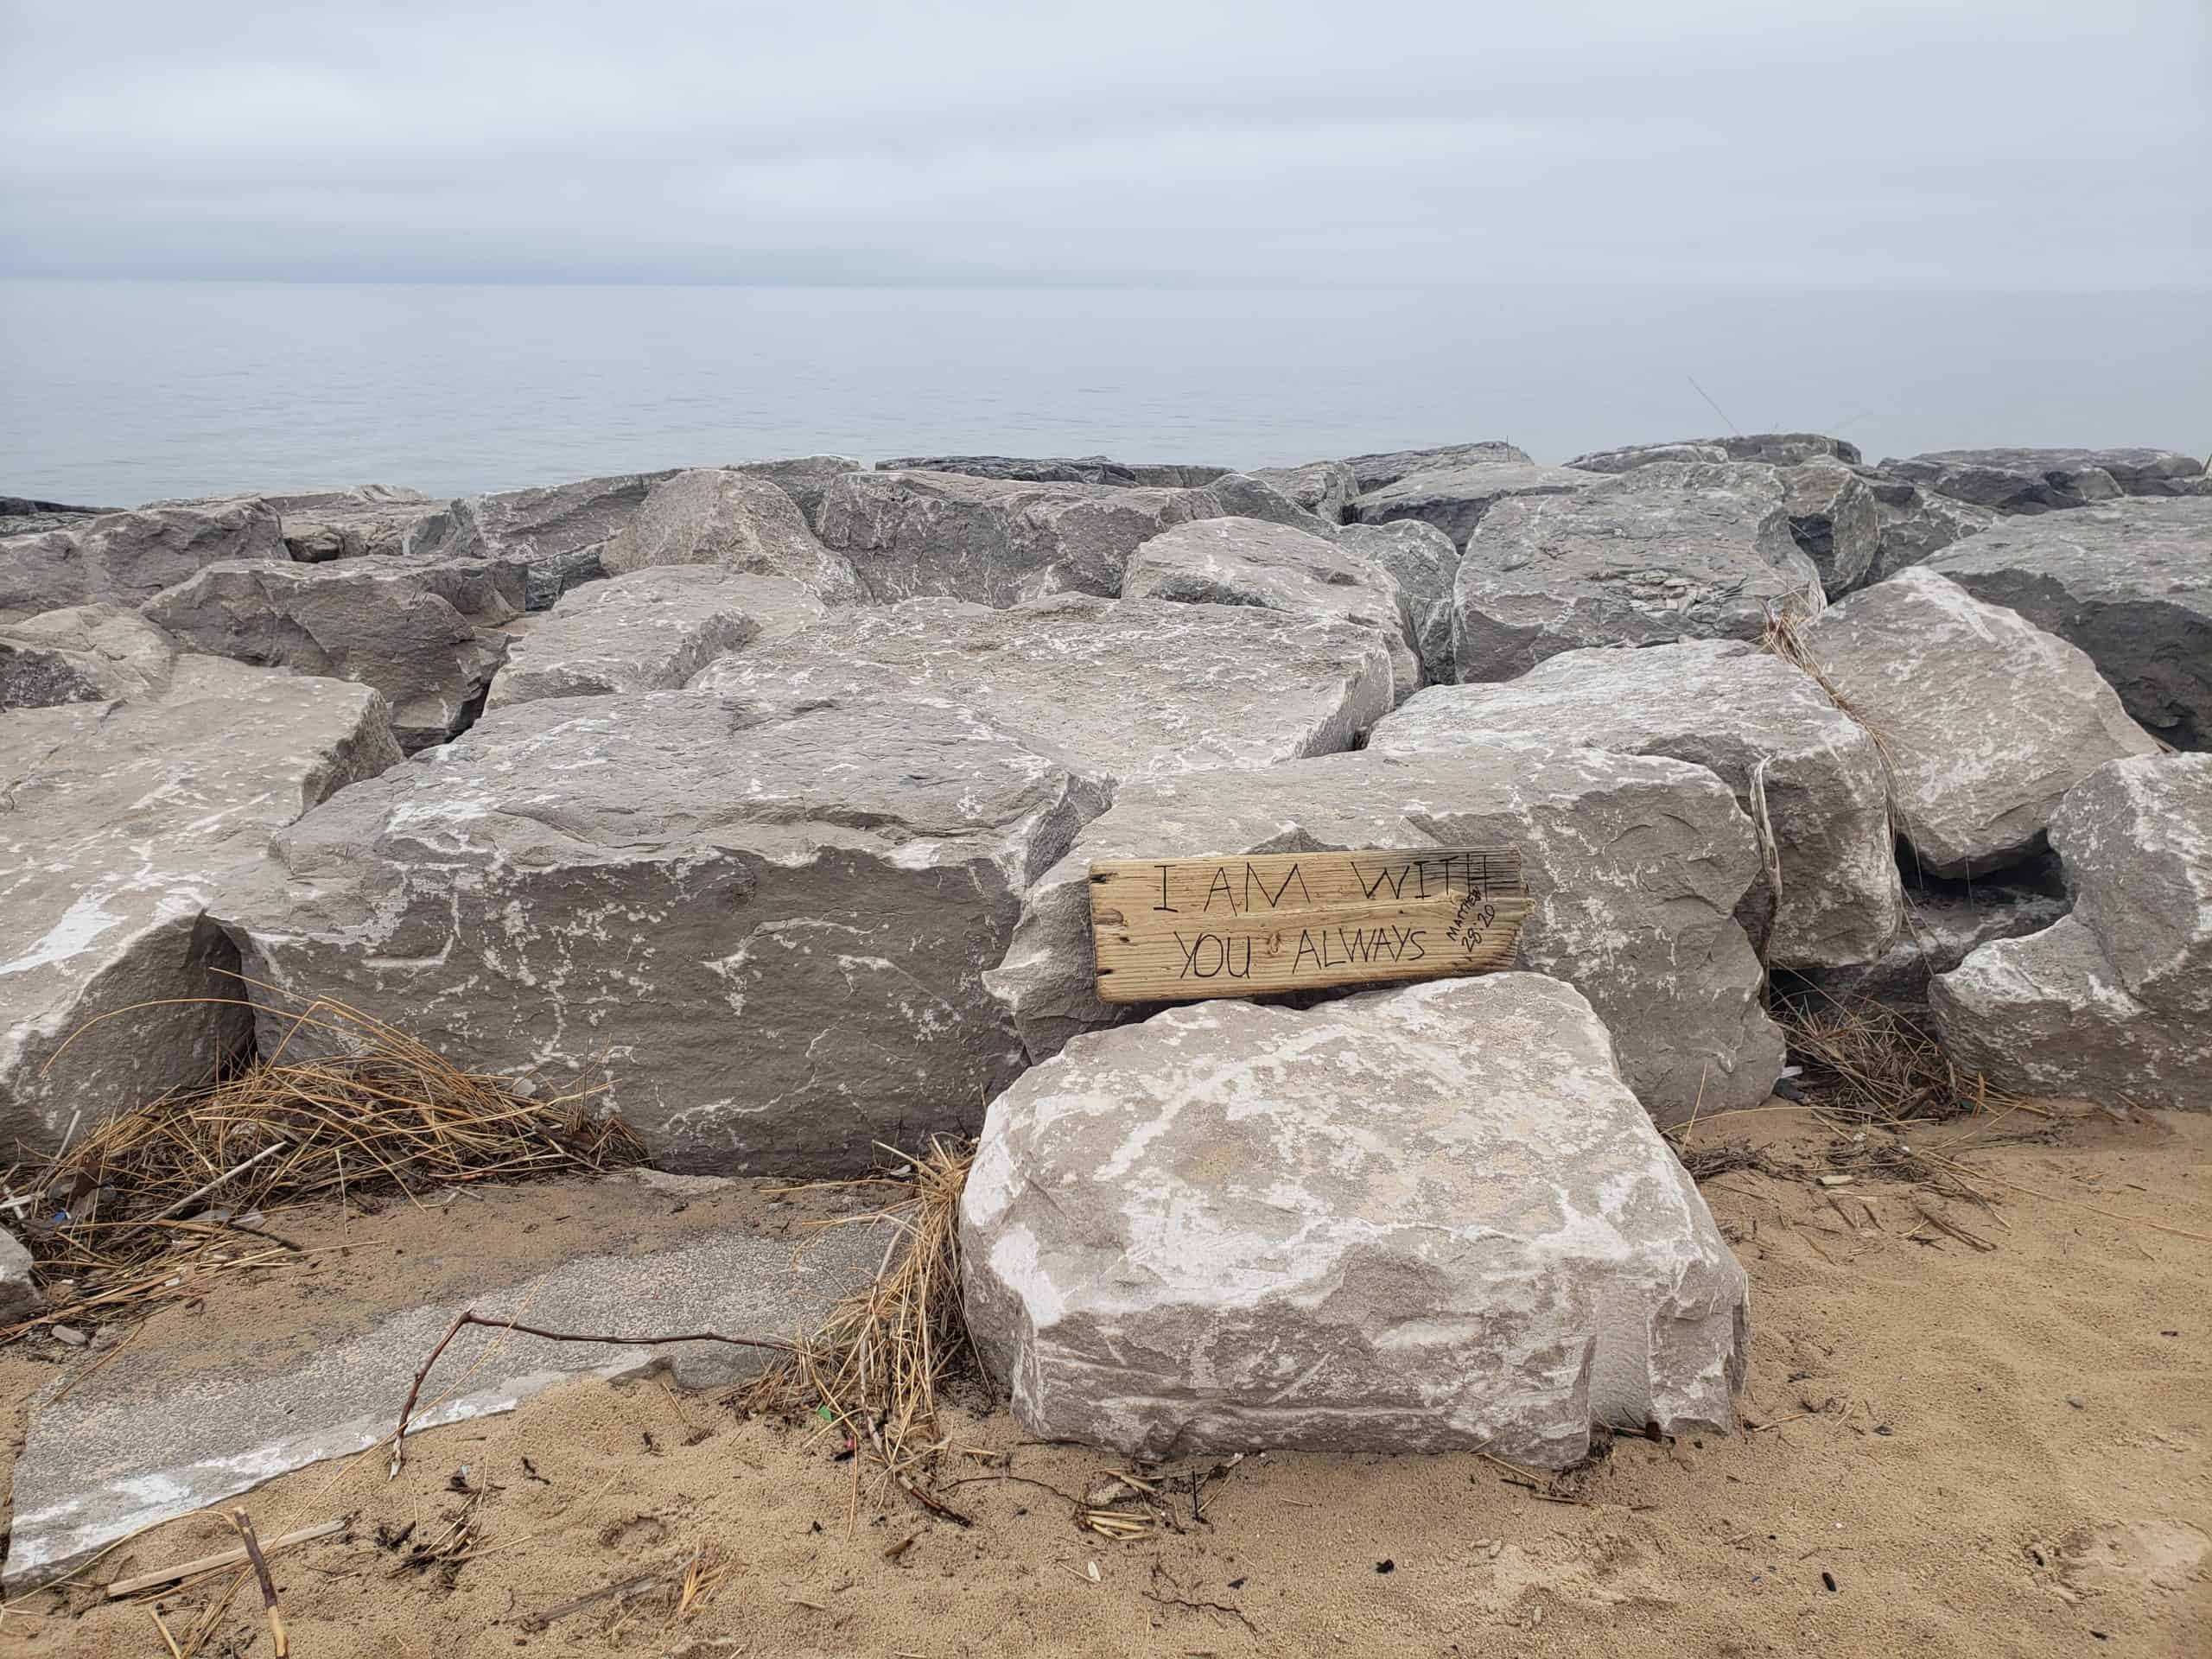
(379, 1109)
(875, 1366)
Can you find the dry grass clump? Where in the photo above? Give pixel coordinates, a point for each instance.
(875, 1368)
(381, 1111)
(1866, 1060)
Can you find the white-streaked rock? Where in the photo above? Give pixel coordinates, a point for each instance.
(1374, 472)
(121, 821)
(652, 630)
(2046, 481)
(1269, 567)
(1748, 716)
(1422, 561)
(1834, 521)
(1409, 1221)
(1455, 498)
(556, 533)
(1986, 719)
(128, 557)
(1121, 689)
(1637, 865)
(82, 653)
(427, 632)
(1324, 488)
(2136, 840)
(1671, 551)
(734, 519)
(2130, 582)
(769, 928)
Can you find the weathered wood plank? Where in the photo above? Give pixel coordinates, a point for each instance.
(1181, 929)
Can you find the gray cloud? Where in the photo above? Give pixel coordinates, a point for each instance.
(1996, 143)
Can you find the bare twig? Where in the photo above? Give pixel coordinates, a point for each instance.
(244, 1523)
(132, 1585)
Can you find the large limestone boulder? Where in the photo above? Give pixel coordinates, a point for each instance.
(1454, 499)
(82, 653)
(2136, 840)
(1423, 562)
(1374, 472)
(1061, 469)
(1272, 567)
(1636, 866)
(1834, 521)
(129, 557)
(120, 820)
(1409, 1221)
(1985, 720)
(1672, 552)
(1915, 524)
(366, 520)
(720, 515)
(426, 632)
(1324, 488)
(913, 534)
(2048, 1015)
(2129, 582)
(1773, 449)
(1628, 457)
(1765, 728)
(768, 928)
(652, 630)
(806, 479)
(1120, 689)
(2045, 480)
(557, 534)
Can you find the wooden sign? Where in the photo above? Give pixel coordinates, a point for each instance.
(1174, 930)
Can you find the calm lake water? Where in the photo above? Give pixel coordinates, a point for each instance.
(119, 392)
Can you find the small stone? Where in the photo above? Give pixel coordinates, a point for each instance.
(2074, 1401)
(70, 1336)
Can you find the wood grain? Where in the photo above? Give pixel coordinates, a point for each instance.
(1174, 930)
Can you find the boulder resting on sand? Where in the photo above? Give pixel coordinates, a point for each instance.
(1412, 1220)
(2130, 582)
(126, 817)
(770, 928)
(1636, 866)
(1986, 719)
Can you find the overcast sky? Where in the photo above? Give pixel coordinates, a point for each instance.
(1856, 143)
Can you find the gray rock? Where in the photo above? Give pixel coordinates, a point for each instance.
(1324, 488)
(769, 929)
(1060, 469)
(806, 479)
(918, 535)
(130, 557)
(2129, 582)
(425, 633)
(2045, 480)
(557, 534)
(1120, 689)
(82, 653)
(1672, 552)
(1920, 526)
(2048, 1015)
(1374, 472)
(1628, 459)
(20, 1296)
(1275, 568)
(1773, 449)
(2136, 839)
(650, 630)
(1986, 719)
(1636, 864)
(1744, 714)
(1945, 922)
(1835, 520)
(1454, 499)
(117, 823)
(1238, 1227)
(367, 520)
(731, 519)
(1422, 561)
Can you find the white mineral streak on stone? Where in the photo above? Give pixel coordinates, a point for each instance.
(1408, 1220)
(1986, 719)
(1727, 706)
(1637, 865)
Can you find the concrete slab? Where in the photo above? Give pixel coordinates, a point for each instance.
(157, 1442)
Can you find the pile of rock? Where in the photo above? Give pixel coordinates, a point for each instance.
(772, 789)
